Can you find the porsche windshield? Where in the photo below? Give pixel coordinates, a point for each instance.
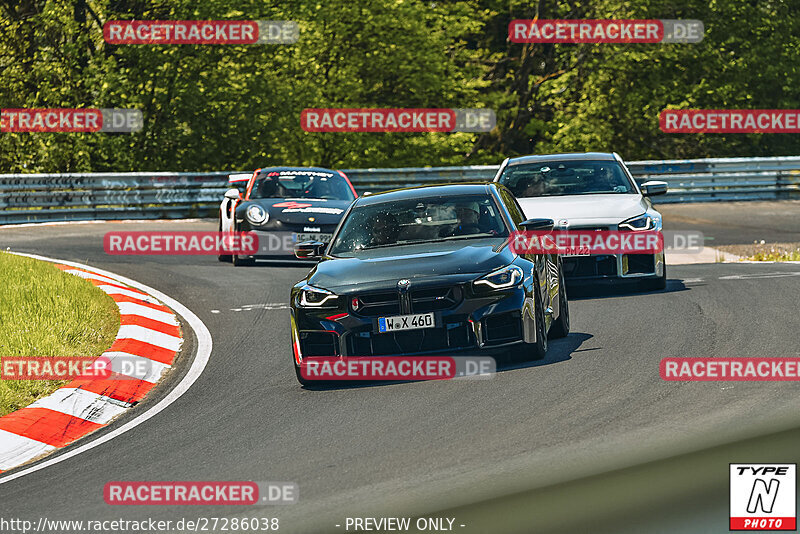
(559, 178)
(425, 220)
(294, 184)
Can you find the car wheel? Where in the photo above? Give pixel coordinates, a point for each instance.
(538, 350)
(310, 383)
(223, 257)
(655, 284)
(300, 378)
(560, 328)
(239, 261)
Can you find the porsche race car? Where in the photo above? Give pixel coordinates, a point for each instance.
(284, 206)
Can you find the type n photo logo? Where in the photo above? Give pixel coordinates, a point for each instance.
(763, 497)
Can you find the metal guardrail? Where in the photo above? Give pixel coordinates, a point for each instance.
(144, 195)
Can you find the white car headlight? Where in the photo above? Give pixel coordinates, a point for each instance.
(641, 222)
(316, 297)
(257, 215)
(503, 278)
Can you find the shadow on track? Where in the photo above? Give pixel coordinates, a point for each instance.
(560, 351)
(604, 290)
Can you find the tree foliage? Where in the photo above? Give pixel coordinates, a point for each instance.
(238, 107)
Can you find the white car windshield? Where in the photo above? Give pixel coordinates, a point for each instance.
(559, 178)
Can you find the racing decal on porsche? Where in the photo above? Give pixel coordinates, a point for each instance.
(314, 209)
(291, 204)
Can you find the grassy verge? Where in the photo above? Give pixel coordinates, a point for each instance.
(766, 251)
(776, 256)
(44, 312)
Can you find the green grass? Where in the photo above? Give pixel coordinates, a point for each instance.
(45, 312)
(776, 256)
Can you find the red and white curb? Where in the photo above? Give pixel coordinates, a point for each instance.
(149, 333)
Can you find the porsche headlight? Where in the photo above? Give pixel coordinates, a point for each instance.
(316, 297)
(257, 215)
(504, 278)
(640, 222)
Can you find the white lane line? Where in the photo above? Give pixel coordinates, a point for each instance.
(153, 337)
(136, 366)
(204, 346)
(81, 403)
(131, 308)
(16, 449)
(779, 274)
(12, 226)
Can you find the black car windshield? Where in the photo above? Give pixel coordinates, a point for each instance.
(301, 184)
(423, 220)
(558, 178)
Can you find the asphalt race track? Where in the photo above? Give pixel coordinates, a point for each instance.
(596, 404)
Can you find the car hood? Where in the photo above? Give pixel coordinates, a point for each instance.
(426, 262)
(300, 210)
(585, 209)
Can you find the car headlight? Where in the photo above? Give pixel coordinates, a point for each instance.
(504, 278)
(641, 222)
(316, 297)
(257, 215)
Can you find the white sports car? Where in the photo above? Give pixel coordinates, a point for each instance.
(590, 191)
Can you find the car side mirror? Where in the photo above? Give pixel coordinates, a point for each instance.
(653, 188)
(543, 225)
(232, 194)
(309, 250)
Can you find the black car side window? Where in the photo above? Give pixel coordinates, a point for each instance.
(513, 208)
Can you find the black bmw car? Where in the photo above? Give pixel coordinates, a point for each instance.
(284, 206)
(427, 271)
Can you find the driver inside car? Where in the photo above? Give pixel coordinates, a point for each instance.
(467, 214)
(384, 230)
(271, 187)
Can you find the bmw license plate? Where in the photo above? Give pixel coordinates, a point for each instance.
(324, 238)
(406, 322)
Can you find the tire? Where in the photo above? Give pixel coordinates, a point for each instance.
(241, 262)
(303, 381)
(560, 328)
(655, 284)
(310, 383)
(223, 257)
(538, 350)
